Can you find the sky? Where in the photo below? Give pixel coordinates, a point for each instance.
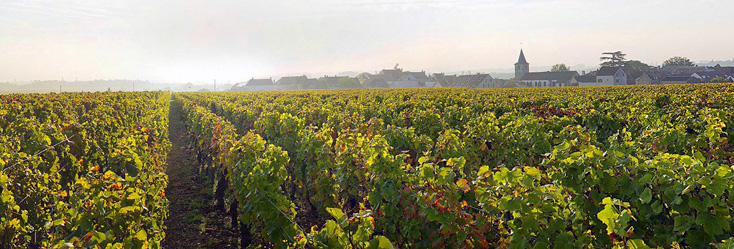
(232, 41)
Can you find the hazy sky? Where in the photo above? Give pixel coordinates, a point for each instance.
(167, 40)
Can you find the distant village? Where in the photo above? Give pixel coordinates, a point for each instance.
(614, 72)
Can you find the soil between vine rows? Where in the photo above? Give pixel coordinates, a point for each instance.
(192, 222)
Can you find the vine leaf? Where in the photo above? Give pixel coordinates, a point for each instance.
(646, 196)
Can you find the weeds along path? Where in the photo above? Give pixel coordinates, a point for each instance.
(193, 222)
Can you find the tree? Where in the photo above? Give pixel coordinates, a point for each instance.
(637, 66)
(679, 61)
(348, 83)
(612, 59)
(560, 68)
(718, 80)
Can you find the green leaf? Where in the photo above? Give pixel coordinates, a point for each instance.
(711, 224)
(646, 196)
(646, 179)
(542, 245)
(336, 213)
(6, 196)
(657, 207)
(57, 222)
(380, 242)
(133, 196)
(681, 224)
(534, 172)
(128, 209)
(483, 170)
(609, 217)
(698, 156)
(696, 204)
(141, 235)
(564, 240)
(606, 201)
(637, 244)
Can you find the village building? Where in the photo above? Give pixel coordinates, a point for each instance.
(548, 79)
(584, 80)
(410, 80)
(474, 81)
(292, 83)
(506, 83)
(608, 76)
(709, 76)
(478, 80)
(255, 85)
(681, 70)
(648, 79)
(522, 66)
(525, 78)
(392, 75)
(442, 80)
(723, 70)
(373, 81)
(678, 79)
(314, 84)
(339, 82)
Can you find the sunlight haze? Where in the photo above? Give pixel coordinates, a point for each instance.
(181, 41)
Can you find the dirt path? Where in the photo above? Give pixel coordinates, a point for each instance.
(192, 220)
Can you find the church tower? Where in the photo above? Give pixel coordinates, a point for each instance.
(521, 67)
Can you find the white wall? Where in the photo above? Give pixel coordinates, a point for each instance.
(548, 83)
(593, 84)
(537, 83)
(486, 83)
(259, 88)
(605, 80)
(405, 84)
(621, 77)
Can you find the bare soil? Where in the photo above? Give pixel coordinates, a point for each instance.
(193, 222)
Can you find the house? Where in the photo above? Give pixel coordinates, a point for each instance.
(678, 79)
(291, 83)
(548, 79)
(442, 80)
(723, 70)
(410, 80)
(670, 70)
(255, 85)
(392, 75)
(709, 76)
(415, 76)
(363, 77)
(608, 76)
(313, 84)
(500, 82)
(375, 81)
(339, 82)
(648, 79)
(474, 81)
(584, 80)
(407, 84)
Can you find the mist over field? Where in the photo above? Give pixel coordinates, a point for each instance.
(172, 42)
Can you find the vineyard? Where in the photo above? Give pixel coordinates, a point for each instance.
(83, 170)
(624, 167)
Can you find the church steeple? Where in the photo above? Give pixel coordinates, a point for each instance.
(522, 66)
(522, 60)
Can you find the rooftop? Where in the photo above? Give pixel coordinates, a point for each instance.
(551, 76)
